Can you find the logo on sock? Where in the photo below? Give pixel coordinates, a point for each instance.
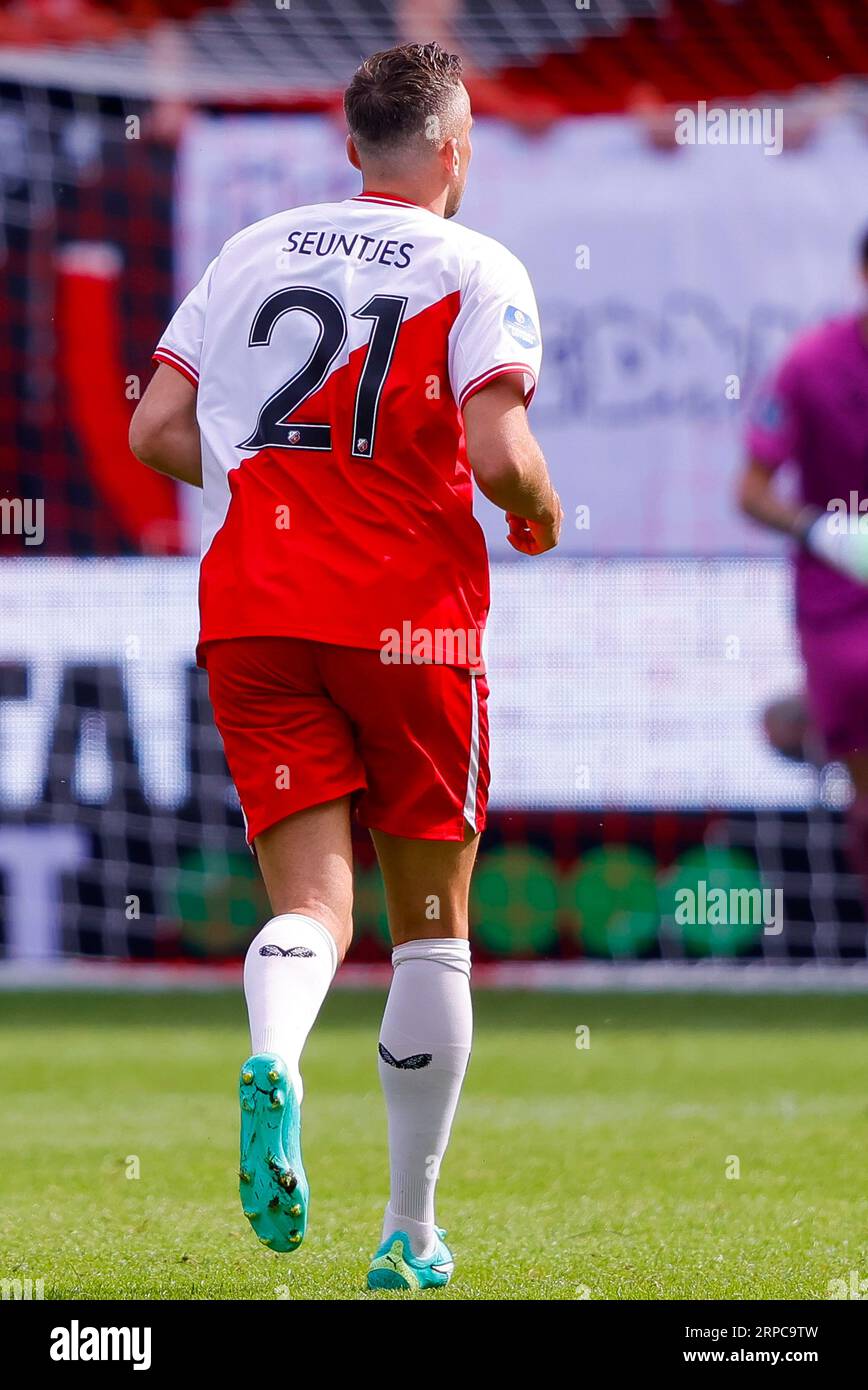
(290, 951)
(421, 1059)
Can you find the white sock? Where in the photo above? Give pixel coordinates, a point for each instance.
(287, 972)
(427, 1028)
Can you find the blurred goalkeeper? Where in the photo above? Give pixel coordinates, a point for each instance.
(814, 414)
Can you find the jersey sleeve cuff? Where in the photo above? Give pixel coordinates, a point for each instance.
(174, 359)
(766, 452)
(504, 369)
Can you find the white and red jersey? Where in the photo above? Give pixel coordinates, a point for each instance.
(333, 347)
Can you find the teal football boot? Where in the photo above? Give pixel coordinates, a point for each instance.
(272, 1183)
(396, 1267)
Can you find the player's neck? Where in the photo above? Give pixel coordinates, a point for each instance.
(406, 193)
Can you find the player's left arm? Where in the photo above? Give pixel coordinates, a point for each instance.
(164, 431)
(495, 353)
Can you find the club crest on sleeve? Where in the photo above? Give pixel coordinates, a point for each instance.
(521, 327)
(768, 413)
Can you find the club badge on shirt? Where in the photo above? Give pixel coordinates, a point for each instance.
(768, 413)
(520, 326)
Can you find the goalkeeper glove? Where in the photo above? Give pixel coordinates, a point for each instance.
(843, 550)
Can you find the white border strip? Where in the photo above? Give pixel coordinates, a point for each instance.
(567, 977)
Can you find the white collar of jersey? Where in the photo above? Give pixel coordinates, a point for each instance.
(384, 198)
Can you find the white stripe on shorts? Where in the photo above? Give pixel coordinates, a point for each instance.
(473, 769)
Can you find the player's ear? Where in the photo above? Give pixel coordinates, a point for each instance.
(352, 153)
(451, 156)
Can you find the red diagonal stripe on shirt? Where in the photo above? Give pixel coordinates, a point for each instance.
(370, 542)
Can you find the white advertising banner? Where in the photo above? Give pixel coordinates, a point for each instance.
(668, 282)
(614, 683)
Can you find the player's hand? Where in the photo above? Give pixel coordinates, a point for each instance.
(535, 537)
(844, 550)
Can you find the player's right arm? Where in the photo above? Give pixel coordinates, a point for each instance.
(758, 498)
(818, 531)
(164, 432)
(773, 439)
(509, 466)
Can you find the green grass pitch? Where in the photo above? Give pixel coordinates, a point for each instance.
(596, 1172)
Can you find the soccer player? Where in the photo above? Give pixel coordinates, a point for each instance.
(334, 382)
(814, 413)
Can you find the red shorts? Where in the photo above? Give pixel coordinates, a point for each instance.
(305, 722)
